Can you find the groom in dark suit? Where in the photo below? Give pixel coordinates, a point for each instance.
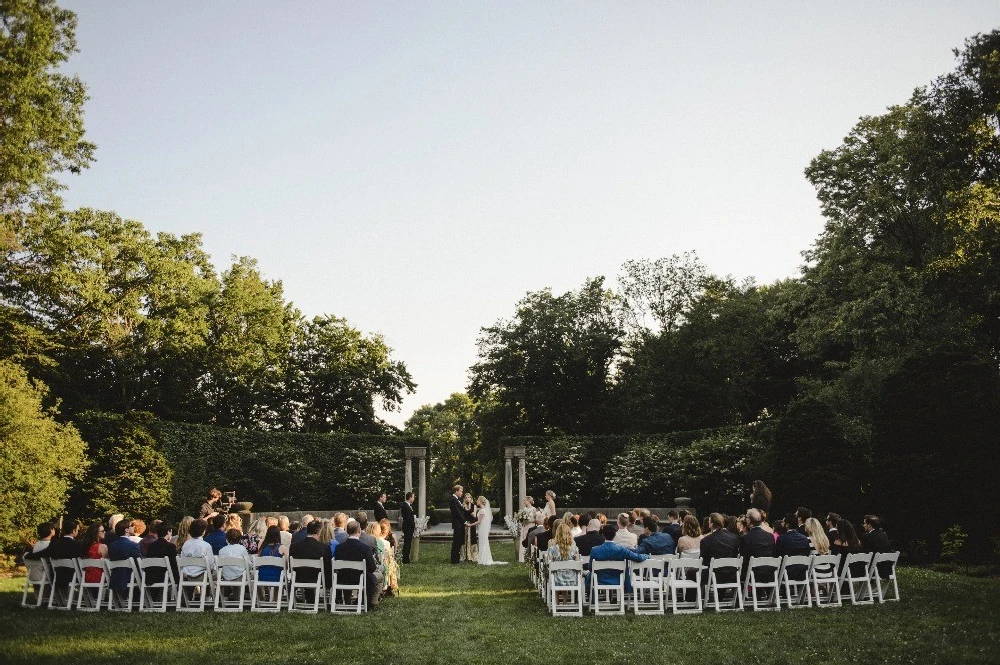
(459, 517)
(409, 525)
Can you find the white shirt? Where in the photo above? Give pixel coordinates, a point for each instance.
(197, 547)
(576, 531)
(235, 551)
(626, 538)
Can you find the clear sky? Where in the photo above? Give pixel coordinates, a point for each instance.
(418, 167)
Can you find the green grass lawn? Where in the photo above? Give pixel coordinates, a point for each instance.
(471, 614)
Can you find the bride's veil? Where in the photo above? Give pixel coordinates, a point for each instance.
(488, 517)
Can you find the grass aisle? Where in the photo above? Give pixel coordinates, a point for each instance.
(468, 614)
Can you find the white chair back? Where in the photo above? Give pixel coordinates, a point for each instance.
(194, 591)
(127, 599)
(230, 594)
(166, 587)
(36, 582)
(345, 597)
(91, 595)
(61, 596)
(315, 588)
(858, 584)
(267, 596)
(715, 590)
(573, 592)
(823, 578)
(607, 598)
(883, 567)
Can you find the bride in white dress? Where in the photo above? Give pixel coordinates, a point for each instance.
(484, 518)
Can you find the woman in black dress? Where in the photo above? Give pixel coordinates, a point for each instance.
(760, 497)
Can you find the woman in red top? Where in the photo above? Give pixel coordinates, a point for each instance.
(95, 550)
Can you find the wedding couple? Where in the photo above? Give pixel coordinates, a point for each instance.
(461, 518)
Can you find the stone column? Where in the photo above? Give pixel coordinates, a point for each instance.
(420, 454)
(423, 485)
(508, 487)
(522, 480)
(408, 478)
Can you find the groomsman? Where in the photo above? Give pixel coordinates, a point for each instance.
(409, 525)
(380, 513)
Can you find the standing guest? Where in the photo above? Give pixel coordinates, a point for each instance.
(847, 542)
(286, 535)
(158, 549)
(123, 548)
(563, 549)
(623, 536)
(611, 551)
(149, 537)
(817, 537)
(409, 520)
(690, 541)
(831, 526)
(212, 506)
(195, 546)
(380, 513)
(655, 541)
(339, 532)
(802, 515)
(215, 536)
(183, 531)
(590, 539)
(94, 549)
(237, 551)
(550, 504)
(761, 497)
(721, 543)
(109, 533)
(673, 525)
(138, 528)
(353, 549)
(300, 533)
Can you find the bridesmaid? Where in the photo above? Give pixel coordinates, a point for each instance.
(550, 504)
(526, 524)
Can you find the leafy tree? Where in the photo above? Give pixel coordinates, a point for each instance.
(655, 295)
(548, 370)
(41, 117)
(457, 453)
(338, 375)
(39, 457)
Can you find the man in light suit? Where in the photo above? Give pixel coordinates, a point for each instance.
(409, 525)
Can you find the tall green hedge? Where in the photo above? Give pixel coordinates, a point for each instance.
(277, 471)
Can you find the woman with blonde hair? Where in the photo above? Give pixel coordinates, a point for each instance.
(374, 529)
(391, 566)
(550, 504)
(563, 549)
(182, 532)
(817, 536)
(326, 534)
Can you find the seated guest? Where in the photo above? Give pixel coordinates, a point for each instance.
(300, 533)
(195, 546)
(311, 548)
(635, 524)
(817, 537)
(766, 526)
(847, 542)
(654, 542)
(109, 533)
(792, 542)
(237, 551)
(756, 542)
(802, 515)
(352, 549)
(93, 548)
(831, 526)
(271, 546)
(46, 531)
(590, 539)
(381, 547)
(602, 518)
(574, 527)
(233, 521)
(286, 535)
(612, 551)
(673, 525)
(326, 535)
(542, 539)
(690, 536)
(364, 536)
(562, 548)
(254, 535)
(529, 536)
(182, 531)
(123, 548)
(158, 549)
(149, 537)
(874, 539)
(339, 532)
(720, 544)
(215, 536)
(65, 547)
(730, 522)
(138, 529)
(623, 536)
(387, 533)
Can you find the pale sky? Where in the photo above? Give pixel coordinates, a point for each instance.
(418, 167)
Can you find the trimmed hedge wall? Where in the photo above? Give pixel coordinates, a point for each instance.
(707, 465)
(277, 471)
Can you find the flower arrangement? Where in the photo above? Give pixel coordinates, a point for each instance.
(513, 526)
(420, 525)
(525, 516)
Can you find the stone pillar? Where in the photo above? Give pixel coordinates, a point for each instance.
(408, 478)
(423, 485)
(522, 480)
(420, 454)
(508, 487)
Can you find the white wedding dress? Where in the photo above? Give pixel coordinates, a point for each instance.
(485, 517)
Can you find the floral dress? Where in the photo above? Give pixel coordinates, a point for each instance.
(564, 577)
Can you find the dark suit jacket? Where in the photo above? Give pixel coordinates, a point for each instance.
(674, 530)
(310, 548)
(756, 542)
(878, 541)
(792, 543)
(542, 540)
(380, 513)
(458, 514)
(63, 548)
(720, 544)
(158, 549)
(353, 549)
(588, 541)
(409, 517)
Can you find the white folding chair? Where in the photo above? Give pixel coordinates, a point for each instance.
(127, 599)
(715, 589)
(823, 578)
(889, 560)
(267, 596)
(858, 584)
(193, 591)
(758, 570)
(166, 586)
(224, 603)
(543, 574)
(348, 598)
(796, 591)
(36, 582)
(647, 585)
(61, 596)
(91, 595)
(575, 592)
(318, 586)
(683, 576)
(609, 591)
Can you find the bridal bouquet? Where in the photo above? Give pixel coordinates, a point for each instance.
(419, 525)
(525, 516)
